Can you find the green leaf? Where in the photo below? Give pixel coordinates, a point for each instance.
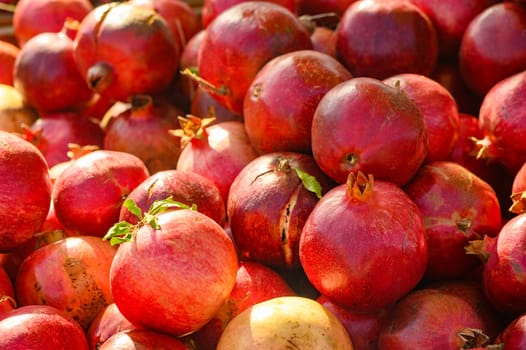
(133, 208)
(119, 233)
(309, 182)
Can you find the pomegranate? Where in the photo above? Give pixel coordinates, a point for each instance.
(189, 61)
(353, 234)
(212, 8)
(255, 283)
(268, 203)
(280, 102)
(7, 293)
(432, 319)
(358, 123)
(71, 274)
(492, 47)
(183, 186)
(188, 263)
(14, 111)
(217, 152)
(142, 339)
(450, 19)
(313, 7)
(457, 207)
(122, 50)
(240, 41)
(107, 322)
(40, 327)
(501, 119)
(147, 122)
(34, 17)
(518, 191)
(183, 20)
(285, 322)
(46, 75)
(438, 107)
(26, 188)
(204, 105)
(504, 265)
(378, 39)
(324, 40)
(8, 54)
(514, 335)
(88, 194)
(363, 327)
(52, 133)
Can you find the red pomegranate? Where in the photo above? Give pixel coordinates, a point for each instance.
(45, 16)
(514, 335)
(501, 117)
(359, 122)
(240, 41)
(186, 187)
(217, 152)
(142, 339)
(40, 327)
(268, 203)
(52, 134)
(324, 40)
(88, 194)
(492, 47)
(429, 319)
(7, 292)
(353, 235)
(71, 274)
(8, 54)
(518, 191)
(377, 39)
(457, 207)
(280, 102)
(147, 122)
(204, 105)
(123, 50)
(188, 263)
(47, 76)
(314, 7)
(107, 322)
(188, 61)
(26, 188)
(438, 107)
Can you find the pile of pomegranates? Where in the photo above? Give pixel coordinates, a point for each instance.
(263, 174)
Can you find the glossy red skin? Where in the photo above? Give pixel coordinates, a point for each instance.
(88, 194)
(107, 322)
(34, 17)
(142, 339)
(514, 335)
(347, 245)
(255, 283)
(46, 75)
(377, 39)
(503, 277)
(26, 176)
(351, 122)
(439, 109)
(447, 74)
(182, 19)
(204, 105)
(362, 327)
(148, 125)
(492, 47)
(114, 34)
(44, 327)
(313, 7)
(189, 266)
(268, 206)
(8, 54)
(450, 19)
(71, 274)
(501, 119)
(428, 319)
(55, 131)
(7, 292)
(183, 186)
(241, 40)
(457, 207)
(324, 40)
(212, 8)
(280, 102)
(464, 153)
(220, 156)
